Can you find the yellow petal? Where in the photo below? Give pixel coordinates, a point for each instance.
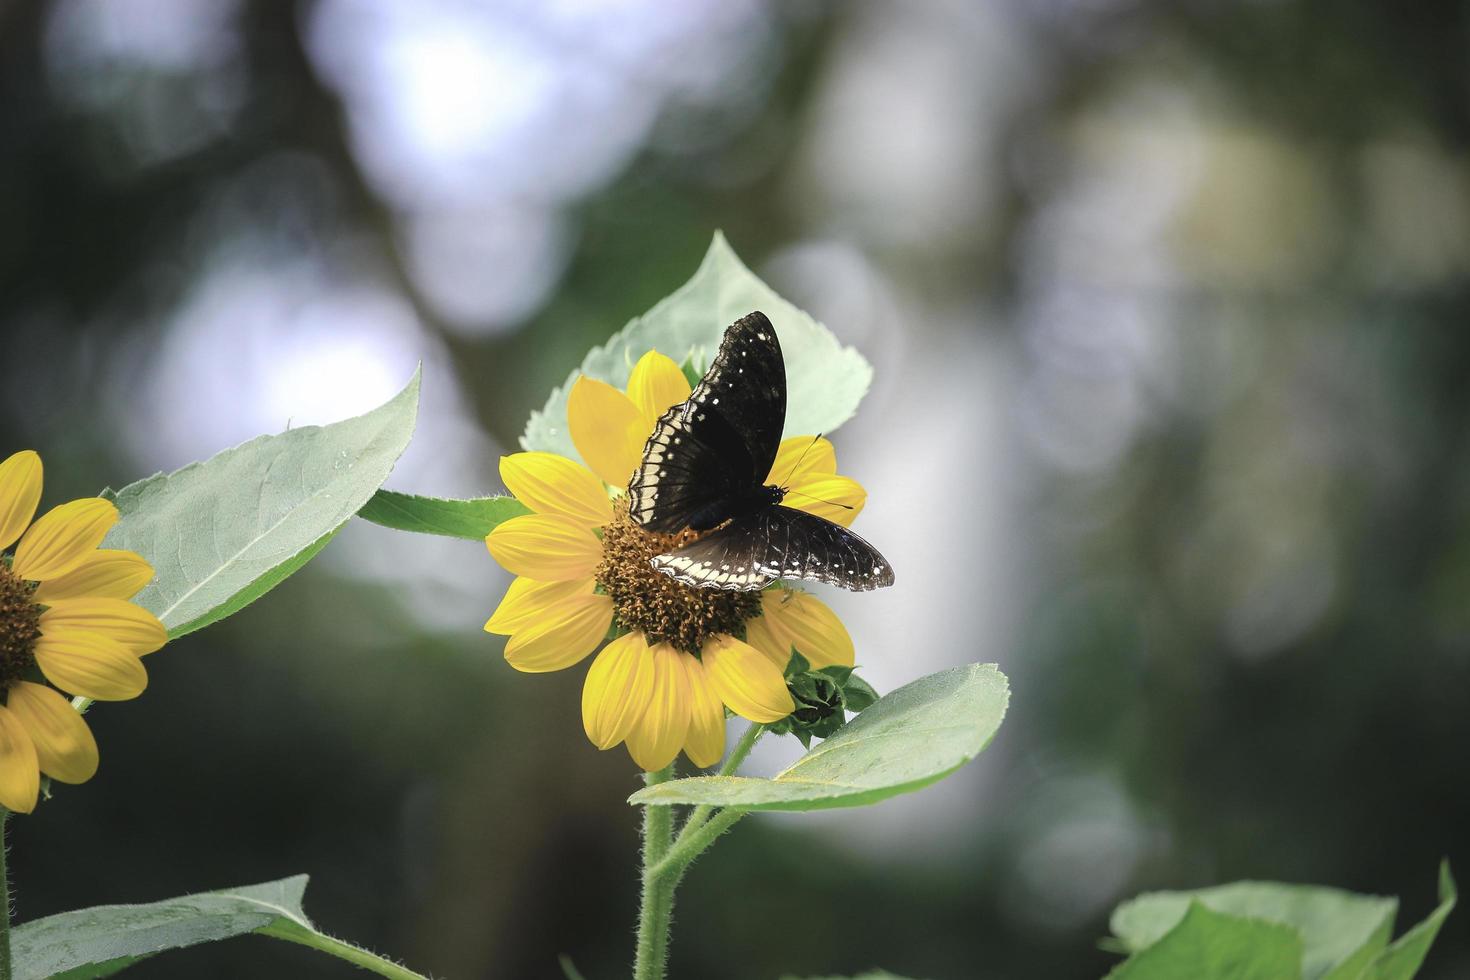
(838, 498)
(655, 386)
(545, 547)
(91, 665)
(774, 646)
(552, 484)
(705, 742)
(64, 744)
(799, 457)
(617, 691)
(802, 620)
(105, 573)
(527, 600)
(20, 777)
(137, 629)
(63, 537)
(608, 430)
(745, 680)
(20, 492)
(657, 737)
(563, 636)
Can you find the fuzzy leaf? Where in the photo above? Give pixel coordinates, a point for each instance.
(1344, 935)
(473, 519)
(1402, 959)
(100, 941)
(859, 694)
(825, 380)
(222, 533)
(1208, 945)
(1340, 931)
(908, 739)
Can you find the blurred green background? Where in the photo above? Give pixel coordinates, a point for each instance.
(1169, 307)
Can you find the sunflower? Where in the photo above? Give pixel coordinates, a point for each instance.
(64, 619)
(679, 655)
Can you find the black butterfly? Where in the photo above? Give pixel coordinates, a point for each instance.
(704, 466)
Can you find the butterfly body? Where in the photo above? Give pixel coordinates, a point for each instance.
(704, 468)
(736, 506)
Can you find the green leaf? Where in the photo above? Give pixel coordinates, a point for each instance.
(1209, 945)
(837, 672)
(100, 941)
(1340, 931)
(222, 533)
(568, 968)
(692, 372)
(1344, 935)
(870, 975)
(796, 665)
(1402, 960)
(858, 694)
(471, 519)
(910, 738)
(825, 380)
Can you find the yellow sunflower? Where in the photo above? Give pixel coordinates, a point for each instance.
(64, 618)
(680, 655)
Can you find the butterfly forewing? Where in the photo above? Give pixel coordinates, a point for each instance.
(746, 383)
(779, 542)
(709, 450)
(691, 468)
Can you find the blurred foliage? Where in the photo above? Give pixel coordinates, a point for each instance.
(1220, 252)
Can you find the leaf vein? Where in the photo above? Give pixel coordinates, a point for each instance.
(226, 562)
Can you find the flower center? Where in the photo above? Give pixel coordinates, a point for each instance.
(665, 610)
(20, 627)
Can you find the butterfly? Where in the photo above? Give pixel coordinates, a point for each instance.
(704, 468)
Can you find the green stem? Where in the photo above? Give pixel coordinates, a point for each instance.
(355, 955)
(737, 755)
(657, 905)
(6, 970)
(692, 845)
(664, 860)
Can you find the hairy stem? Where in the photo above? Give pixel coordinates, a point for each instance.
(737, 755)
(657, 905)
(691, 845)
(6, 969)
(665, 859)
(355, 955)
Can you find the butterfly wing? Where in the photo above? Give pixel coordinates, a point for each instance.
(719, 445)
(694, 466)
(778, 542)
(746, 383)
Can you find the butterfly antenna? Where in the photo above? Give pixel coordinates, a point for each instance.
(786, 483)
(829, 503)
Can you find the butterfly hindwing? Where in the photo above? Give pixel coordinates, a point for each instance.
(722, 559)
(710, 450)
(778, 542)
